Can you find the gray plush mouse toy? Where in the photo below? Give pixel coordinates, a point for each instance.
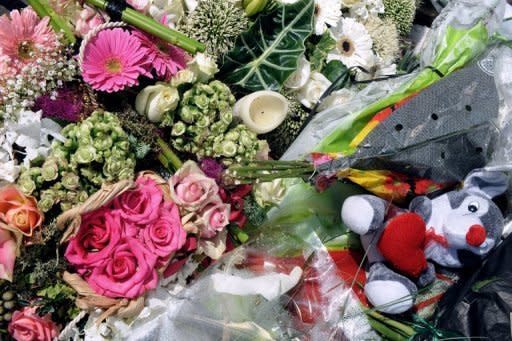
(402, 244)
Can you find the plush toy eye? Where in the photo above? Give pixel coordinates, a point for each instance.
(473, 207)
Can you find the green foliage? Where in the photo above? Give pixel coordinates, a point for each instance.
(320, 51)
(267, 54)
(255, 214)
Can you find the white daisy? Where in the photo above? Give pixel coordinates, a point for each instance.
(353, 44)
(327, 12)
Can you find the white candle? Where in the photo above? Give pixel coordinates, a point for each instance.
(262, 111)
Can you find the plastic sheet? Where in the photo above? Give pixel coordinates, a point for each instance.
(459, 34)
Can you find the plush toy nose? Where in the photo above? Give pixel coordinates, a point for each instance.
(476, 235)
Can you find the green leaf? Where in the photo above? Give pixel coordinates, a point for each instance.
(319, 54)
(480, 284)
(334, 69)
(267, 54)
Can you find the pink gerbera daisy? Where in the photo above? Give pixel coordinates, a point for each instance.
(113, 60)
(165, 58)
(24, 37)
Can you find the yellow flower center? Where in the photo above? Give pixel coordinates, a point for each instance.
(113, 65)
(346, 46)
(25, 49)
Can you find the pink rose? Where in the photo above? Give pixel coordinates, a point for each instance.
(87, 20)
(99, 233)
(166, 235)
(191, 189)
(26, 325)
(214, 217)
(140, 206)
(128, 272)
(8, 249)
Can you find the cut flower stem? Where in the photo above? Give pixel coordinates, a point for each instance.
(167, 156)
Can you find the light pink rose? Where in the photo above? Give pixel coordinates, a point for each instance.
(27, 325)
(87, 20)
(214, 217)
(140, 206)
(128, 272)
(140, 5)
(99, 233)
(7, 254)
(166, 235)
(191, 189)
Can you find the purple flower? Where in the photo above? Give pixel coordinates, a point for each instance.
(212, 168)
(66, 106)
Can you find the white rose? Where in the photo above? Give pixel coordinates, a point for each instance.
(310, 93)
(155, 100)
(336, 98)
(299, 78)
(269, 193)
(183, 77)
(203, 66)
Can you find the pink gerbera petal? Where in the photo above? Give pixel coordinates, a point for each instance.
(166, 59)
(114, 60)
(24, 37)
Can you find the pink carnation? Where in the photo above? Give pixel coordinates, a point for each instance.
(128, 272)
(113, 60)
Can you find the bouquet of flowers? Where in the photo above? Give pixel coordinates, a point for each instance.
(128, 135)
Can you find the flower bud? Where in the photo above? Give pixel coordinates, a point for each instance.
(50, 170)
(178, 129)
(84, 154)
(26, 184)
(155, 100)
(70, 181)
(203, 66)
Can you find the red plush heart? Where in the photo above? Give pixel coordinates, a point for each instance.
(402, 244)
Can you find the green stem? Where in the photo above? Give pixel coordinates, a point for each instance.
(390, 322)
(59, 24)
(241, 169)
(139, 20)
(169, 154)
(386, 331)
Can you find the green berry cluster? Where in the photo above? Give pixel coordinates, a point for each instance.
(95, 151)
(7, 307)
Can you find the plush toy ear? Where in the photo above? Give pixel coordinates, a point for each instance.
(490, 183)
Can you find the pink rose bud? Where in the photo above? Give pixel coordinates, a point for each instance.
(7, 254)
(215, 217)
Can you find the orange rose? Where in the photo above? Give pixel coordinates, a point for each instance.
(18, 211)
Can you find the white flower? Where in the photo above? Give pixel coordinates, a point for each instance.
(327, 12)
(364, 9)
(269, 193)
(203, 66)
(140, 5)
(350, 3)
(155, 100)
(341, 96)
(32, 134)
(310, 93)
(167, 12)
(353, 44)
(379, 68)
(299, 78)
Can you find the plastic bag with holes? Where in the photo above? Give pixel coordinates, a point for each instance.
(459, 35)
